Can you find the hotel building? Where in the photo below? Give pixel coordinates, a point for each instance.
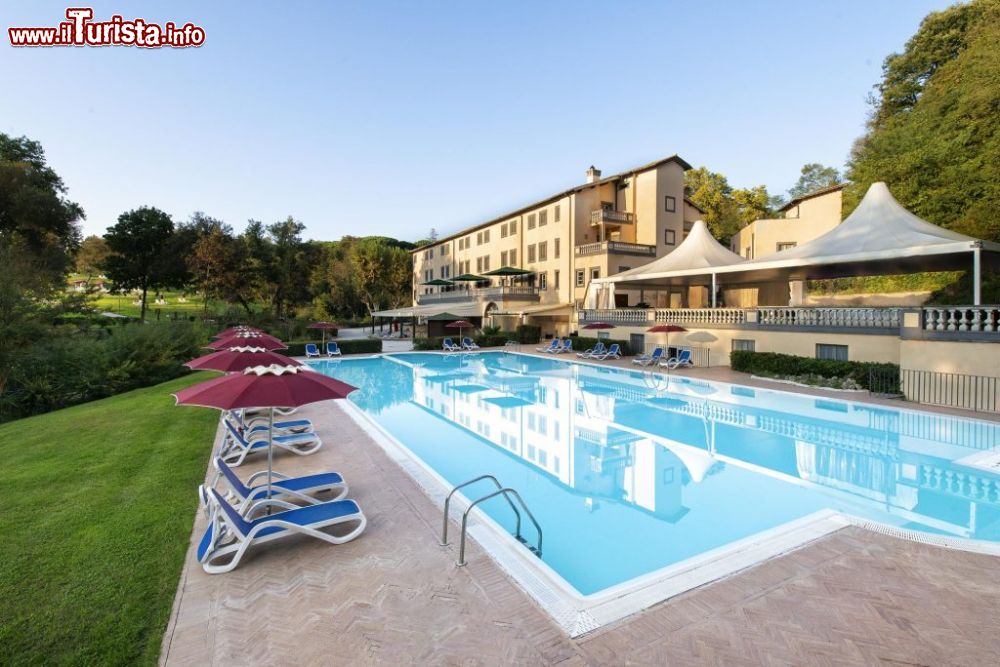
(601, 227)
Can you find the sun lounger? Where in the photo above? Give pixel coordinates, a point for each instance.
(311, 350)
(332, 349)
(236, 446)
(469, 344)
(551, 348)
(596, 350)
(229, 535)
(682, 359)
(259, 423)
(449, 346)
(244, 496)
(649, 359)
(613, 352)
(567, 346)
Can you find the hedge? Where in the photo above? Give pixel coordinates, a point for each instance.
(582, 343)
(349, 346)
(528, 333)
(790, 364)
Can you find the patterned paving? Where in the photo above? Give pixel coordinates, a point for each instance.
(393, 596)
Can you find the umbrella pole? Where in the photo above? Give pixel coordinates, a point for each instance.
(270, 450)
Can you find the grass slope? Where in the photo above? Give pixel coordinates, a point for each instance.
(98, 502)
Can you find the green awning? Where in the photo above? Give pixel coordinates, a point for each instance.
(508, 271)
(438, 282)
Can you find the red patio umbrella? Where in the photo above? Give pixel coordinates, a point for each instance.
(460, 324)
(265, 387)
(667, 329)
(263, 340)
(236, 331)
(325, 326)
(598, 325)
(238, 359)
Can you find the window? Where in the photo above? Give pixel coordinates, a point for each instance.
(555, 280)
(486, 263)
(669, 204)
(833, 352)
(595, 273)
(479, 238)
(784, 246)
(669, 237)
(479, 264)
(555, 248)
(513, 227)
(543, 251)
(531, 253)
(513, 258)
(555, 213)
(531, 221)
(623, 268)
(543, 218)
(743, 345)
(444, 249)
(580, 278)
(503, 231)
(543, 280)
(748, 252)
(486, 236)
(503, 258)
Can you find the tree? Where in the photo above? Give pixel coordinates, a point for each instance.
(814, 176)
(138, 259)
(91, 255)
(289, 268)
(934, 131)
(380, 273)
(726, 209)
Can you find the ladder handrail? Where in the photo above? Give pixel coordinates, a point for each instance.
(505, 492)
(447, 501)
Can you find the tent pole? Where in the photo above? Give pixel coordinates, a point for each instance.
(977, 276)
(713, 290)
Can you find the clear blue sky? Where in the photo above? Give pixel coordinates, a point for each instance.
(395, 117)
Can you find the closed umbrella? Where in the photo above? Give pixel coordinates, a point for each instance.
(265, 387)
(238, 359)
(324, 326)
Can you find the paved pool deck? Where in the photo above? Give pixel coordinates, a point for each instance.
(393, 596)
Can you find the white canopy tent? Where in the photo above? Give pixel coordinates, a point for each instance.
(879, 238)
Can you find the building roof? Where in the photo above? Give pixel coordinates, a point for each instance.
(809, 195)
(559, 195)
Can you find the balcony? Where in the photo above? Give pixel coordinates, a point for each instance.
(605, 217)
(616, 248)
(499, 293)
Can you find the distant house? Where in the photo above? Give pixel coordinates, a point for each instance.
(806, 217)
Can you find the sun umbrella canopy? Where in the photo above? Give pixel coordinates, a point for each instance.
(265, 387)
(460, 324)
(238, 359)
(598, 325)
(665, 328)
(438, 282)
(266, 342)
(508, 271)
(323, 325)
(468, 277)
(236, 331)
(443, 317)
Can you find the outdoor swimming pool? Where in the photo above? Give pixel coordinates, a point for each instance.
(630, 472)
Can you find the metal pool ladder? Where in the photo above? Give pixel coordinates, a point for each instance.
(501, 490)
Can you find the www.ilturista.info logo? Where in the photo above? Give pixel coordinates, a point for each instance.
(80, 30)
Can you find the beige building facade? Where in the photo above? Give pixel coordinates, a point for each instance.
(805, 218)
(603, 226)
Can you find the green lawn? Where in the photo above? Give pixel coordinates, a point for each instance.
(98, 502)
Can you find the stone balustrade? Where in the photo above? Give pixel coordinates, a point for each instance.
(841, 318)
(973, 319)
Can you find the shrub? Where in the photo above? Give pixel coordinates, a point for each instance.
(581, 343)
(861, 372)
(529, 333)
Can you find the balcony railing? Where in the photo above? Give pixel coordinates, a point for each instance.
(846, 318)
(605, 217)
(499, 293)
(972, 319)
(617, 248)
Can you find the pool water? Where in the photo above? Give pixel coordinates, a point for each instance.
(628, 472)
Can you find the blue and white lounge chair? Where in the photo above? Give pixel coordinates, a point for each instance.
(613, 352)
(244, 495)
(551, 348)
(332, 349)
(589, 354)
(469, 344)
(567, 346)
(450, 346)
(236, 446)
(683, 358)
(258, 423)
(229, 535)
(311, 350)
(649, 359)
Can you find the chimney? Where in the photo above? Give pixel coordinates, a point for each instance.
(593, 174)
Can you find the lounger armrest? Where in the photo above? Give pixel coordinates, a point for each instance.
(263, 474)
